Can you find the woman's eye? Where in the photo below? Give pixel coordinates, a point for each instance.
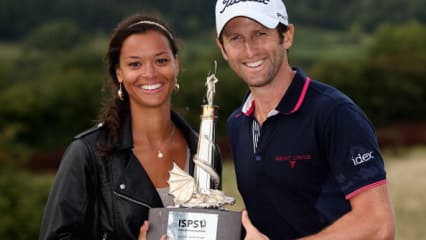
(162, 61)
(134, 64)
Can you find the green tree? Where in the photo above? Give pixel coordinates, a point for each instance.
(53, 96)
(22, 200)
(54, 36)
(398, 55)
(389, 84)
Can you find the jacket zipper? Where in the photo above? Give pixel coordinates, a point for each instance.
(132, 200)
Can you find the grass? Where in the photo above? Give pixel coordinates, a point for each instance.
(229, 186)
(407, 184)
(406, 171)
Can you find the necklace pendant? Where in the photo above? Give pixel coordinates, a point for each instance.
(160, 154)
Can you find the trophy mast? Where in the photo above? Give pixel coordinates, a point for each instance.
(204, 158)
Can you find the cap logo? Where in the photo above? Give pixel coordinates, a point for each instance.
(227, 3)
(284, 18)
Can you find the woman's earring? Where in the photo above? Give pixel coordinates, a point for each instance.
(177, 87)
(120, 92)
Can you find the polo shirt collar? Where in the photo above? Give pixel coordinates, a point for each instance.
(291, 101)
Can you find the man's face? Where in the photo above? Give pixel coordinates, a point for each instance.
(254, 52)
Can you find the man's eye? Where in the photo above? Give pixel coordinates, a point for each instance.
(258, 34)
(235, 38)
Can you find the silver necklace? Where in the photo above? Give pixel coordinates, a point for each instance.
(160, 153)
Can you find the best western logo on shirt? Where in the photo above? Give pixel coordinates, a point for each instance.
(362, 158)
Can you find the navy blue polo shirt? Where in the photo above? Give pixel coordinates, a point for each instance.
(314, 152)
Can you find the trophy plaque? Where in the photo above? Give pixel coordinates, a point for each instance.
(198, 212)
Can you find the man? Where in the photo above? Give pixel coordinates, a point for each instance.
(307, 161)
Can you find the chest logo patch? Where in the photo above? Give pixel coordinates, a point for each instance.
(293, 159)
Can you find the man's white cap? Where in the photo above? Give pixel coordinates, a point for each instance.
(267, 12)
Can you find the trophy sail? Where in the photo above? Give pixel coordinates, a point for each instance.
(199, 187)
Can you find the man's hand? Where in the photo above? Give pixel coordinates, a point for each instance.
(251, 231)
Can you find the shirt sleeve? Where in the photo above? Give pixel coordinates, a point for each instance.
(353, 151)
(67, 213)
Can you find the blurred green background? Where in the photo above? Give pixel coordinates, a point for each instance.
(52, 70)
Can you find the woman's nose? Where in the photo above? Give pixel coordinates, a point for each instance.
(148, 70)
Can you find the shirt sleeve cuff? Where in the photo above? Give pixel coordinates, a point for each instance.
(365, 188)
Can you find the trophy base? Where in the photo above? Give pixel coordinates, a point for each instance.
(194, 223)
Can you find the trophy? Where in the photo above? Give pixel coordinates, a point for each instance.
(198, 212)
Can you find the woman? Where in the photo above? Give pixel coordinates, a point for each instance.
(112, 174)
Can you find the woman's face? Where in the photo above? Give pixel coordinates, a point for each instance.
(148, 69)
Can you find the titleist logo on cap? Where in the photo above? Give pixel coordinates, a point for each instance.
(227, 3)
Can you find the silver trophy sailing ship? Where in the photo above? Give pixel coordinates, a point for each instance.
(195, 191)
(199, 211)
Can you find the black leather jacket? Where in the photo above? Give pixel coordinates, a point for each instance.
(96, 197)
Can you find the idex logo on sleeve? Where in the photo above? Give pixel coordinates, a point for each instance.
(362, 158)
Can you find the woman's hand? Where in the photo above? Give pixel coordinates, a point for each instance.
(143, 231)
(251, 231)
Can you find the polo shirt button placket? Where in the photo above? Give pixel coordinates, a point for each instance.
(259, 164)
